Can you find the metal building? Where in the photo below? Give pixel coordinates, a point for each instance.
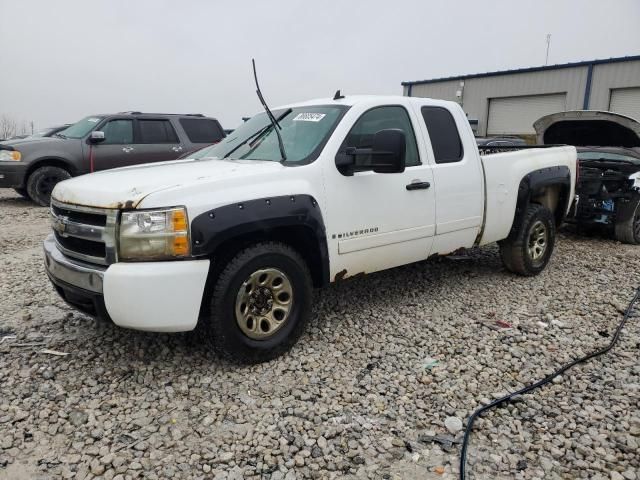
(508, 102)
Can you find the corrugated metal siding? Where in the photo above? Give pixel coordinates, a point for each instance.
(441, 91)
(572, 81)
(611, 76)
(515, 115)
(478, 91)
(626, 101)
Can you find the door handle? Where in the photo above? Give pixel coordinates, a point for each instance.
(177, 149)
(127, 149)
(418, 186)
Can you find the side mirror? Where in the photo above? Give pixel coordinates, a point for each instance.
(386, 154)
(96, 136)
(388, 151)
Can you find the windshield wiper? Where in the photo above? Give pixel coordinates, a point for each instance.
(274, 122)
(60, 135)
(259, 134)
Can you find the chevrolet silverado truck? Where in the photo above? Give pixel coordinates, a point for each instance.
(234, 239)
(100, 142)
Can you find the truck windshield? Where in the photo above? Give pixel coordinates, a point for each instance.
(81, 128)
(305, 130)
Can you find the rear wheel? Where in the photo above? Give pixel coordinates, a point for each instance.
(530, 249)
(22, 192)
(41, 182)
(260, 303)
(627, 226)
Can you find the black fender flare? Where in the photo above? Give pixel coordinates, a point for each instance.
(211, 229)
(534, 182)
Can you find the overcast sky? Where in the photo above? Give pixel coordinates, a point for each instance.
(61, 60)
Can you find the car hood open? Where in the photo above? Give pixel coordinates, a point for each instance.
(588, 128)
(127, 187)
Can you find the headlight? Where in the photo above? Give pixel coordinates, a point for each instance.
(154, 234)
(6, 155)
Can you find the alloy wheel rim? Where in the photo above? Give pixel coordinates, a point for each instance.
(263, 303)
(538, 240)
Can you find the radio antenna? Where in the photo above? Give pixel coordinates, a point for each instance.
(274, 122)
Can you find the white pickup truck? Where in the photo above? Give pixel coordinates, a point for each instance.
(234, 239)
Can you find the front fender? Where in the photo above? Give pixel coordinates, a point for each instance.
(215, 227)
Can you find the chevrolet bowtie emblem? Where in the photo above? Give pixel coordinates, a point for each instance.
(60, 224)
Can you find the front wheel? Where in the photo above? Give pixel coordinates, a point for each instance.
(41, 182)
(22, 192)
(627, 225)
(529, 251)
(260, 303)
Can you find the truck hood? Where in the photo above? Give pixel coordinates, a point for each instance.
(127, 187)
(583, 128)
(21, 143)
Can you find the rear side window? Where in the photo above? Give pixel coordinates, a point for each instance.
(445, 139)
(156, 131)
(202, 130)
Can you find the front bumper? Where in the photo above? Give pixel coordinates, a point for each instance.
(12, 174)
(151, 296)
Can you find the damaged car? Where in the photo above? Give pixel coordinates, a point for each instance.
(608, 185)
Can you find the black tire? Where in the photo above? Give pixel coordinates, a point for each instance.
(22, 192)
(627, 227)
(221, 326)
(528, 252)
(41, 182)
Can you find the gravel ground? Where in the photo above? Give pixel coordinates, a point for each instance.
(376, 388)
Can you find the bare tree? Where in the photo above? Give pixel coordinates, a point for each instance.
(8, 127)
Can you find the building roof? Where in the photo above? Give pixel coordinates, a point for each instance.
(527, 70)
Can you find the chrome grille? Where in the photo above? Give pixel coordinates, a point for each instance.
(88, 234)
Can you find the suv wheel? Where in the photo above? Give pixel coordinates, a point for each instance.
(530, 250)
(628, 222)
(22, 192)
(260, 303)
(41, 182)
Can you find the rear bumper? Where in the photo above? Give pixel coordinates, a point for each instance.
(12, 174)
(151, 296)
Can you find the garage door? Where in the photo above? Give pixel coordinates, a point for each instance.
(626, 101)
(515, 115)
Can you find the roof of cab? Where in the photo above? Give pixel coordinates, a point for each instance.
(351, 100)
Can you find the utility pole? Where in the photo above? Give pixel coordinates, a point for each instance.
(31, 127)
(546, 60)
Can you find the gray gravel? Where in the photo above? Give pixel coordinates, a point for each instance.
(376, 388)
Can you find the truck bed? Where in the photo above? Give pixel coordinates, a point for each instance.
(503, 173)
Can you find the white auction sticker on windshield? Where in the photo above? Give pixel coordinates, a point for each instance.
(93, 120)
(309, 117)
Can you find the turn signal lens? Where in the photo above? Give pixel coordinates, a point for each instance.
(179, 220)
(180, 246)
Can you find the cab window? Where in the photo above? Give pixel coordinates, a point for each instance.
(443, 133)
(381, 118)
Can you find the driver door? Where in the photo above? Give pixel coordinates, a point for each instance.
(118, 148)
(380, 220)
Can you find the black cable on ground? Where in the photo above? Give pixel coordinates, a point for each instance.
(540, 383)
